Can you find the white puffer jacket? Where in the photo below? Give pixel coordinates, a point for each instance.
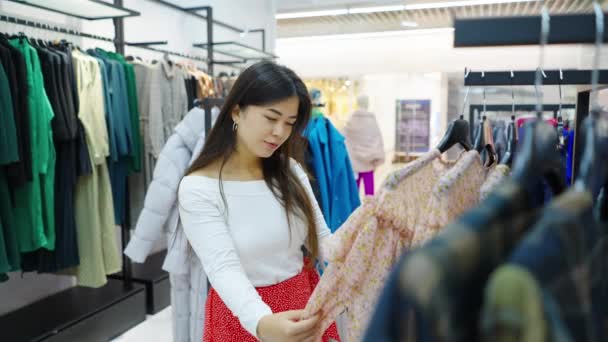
(160, 215)
(159, 219)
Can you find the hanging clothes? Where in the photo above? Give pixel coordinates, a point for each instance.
(513, 309)
(453, 194)
(8, 138)
(8, 154)
(168, 103)
(495, 177)
(454, 269)
(65, 126)
(15, 65)
(333, 172)
(565, 252)
(34, 201)
(500, 139)
(133, 102)
(379, 230)
(119, 129)
(95, 218)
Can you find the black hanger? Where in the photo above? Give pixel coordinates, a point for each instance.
(538, 157)
(457, 133)
(507, 159)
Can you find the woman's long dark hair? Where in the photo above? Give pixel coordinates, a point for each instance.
(265, 83)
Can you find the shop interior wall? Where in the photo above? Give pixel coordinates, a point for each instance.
(423, 64)
(156, 22)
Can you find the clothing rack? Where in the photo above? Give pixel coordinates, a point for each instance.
(503, 78)
(518, 107)
(525, 30)
(87, 314)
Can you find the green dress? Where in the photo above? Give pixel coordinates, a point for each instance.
(34, 202)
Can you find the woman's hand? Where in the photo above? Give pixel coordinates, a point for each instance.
(287, 326)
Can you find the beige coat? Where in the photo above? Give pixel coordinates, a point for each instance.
(364, 141)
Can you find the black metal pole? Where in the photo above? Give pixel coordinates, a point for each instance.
(582, 111)
(119, 32)
(209, 10)
(127, 271)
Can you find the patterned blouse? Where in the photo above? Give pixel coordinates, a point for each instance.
(371, 241)
(495, 176)
(456, 192)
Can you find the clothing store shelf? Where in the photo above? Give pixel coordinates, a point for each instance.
(83, 9)
(155, 280)
(238, 50)
(78, 314)
(524, 30)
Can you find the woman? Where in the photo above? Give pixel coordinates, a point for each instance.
(247, 209)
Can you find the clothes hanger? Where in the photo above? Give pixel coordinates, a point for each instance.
(538, 157)
(458, 131)
(593, 170)
(486, 151)
(507, 159)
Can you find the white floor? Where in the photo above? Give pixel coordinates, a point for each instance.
(155, 328)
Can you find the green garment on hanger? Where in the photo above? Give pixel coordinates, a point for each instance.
(136, 160)
(34, 207)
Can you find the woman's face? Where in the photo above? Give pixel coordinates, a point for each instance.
(263, 129)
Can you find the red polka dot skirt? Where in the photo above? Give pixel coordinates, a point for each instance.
(292, 294)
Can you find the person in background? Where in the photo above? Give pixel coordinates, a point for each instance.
(364, 144)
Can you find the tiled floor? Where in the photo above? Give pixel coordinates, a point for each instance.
(157, 328)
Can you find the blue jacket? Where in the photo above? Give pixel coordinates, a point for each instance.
(339, 195)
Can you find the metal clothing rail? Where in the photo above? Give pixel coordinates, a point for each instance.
(508, 108)
(52, 27)
(503, 78)
(88, 314)
(173, 53)
(193, 12)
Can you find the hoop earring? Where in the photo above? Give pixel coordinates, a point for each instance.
(234, 126)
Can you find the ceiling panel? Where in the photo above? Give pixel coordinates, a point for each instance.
(390, 21)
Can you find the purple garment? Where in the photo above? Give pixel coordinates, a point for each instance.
(368, 179)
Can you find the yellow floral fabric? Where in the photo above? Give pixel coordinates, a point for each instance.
(456, 192)
(370, 243)
(495, 176)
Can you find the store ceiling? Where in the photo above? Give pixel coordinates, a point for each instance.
(392, 21)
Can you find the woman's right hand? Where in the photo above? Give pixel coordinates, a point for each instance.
(287, 326)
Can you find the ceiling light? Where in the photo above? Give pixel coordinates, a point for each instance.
(409, 24)
(375, 9)
(461, 3)
(366, 35)
(294, 15)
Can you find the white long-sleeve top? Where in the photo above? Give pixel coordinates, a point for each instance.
(249, 245)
